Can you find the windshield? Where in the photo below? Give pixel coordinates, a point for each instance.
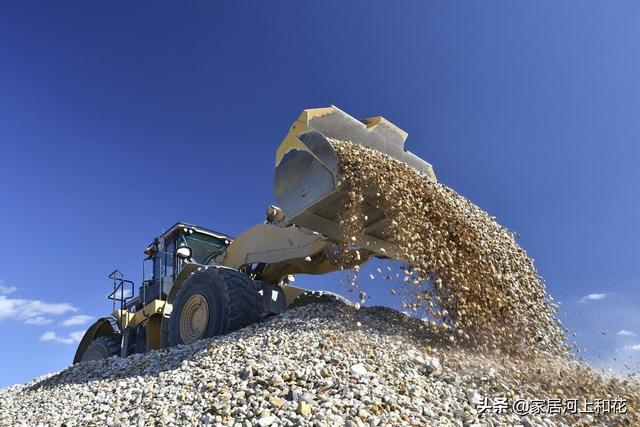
(204, 248)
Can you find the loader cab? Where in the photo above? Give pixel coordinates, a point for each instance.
(171, 251)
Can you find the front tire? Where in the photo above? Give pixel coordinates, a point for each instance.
(102, 348)
(211, 302)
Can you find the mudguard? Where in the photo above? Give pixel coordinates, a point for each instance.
(105, 326)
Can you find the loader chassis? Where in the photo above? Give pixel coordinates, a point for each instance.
(202, 283)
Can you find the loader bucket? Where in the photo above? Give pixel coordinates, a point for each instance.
(306, 183)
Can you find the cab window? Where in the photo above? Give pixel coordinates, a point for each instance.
(204, 248)
(169, 258)
(164, 260)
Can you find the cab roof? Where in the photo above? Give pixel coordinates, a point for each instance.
(186, 226)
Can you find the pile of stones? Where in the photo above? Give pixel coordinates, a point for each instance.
(324, 364)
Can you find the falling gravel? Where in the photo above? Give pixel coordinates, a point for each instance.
(470, 275)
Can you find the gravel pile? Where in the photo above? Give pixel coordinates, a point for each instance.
(323, 364)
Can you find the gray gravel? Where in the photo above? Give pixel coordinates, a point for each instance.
(323, 364)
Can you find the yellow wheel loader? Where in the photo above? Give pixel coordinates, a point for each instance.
(198, 283)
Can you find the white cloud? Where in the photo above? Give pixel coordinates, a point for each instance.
(626, 333)
(6, 290)
(593, 297)
(52, 336)
(79, 319)
(48, 336)
(635, 347)
(77, 336)
(26, 310)
(38, 320)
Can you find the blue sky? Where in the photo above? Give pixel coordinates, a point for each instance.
(119, 119)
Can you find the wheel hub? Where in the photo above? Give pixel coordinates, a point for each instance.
(194, 318)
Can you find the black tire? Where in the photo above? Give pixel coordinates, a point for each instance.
(312, 297)
(231, 298)
(102, 348)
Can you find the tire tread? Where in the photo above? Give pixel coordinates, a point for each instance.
(240, 303)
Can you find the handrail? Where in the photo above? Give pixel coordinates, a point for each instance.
(119, 283)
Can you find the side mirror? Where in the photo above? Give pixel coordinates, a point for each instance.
(183, 252)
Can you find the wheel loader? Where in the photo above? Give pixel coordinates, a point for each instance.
(198, 283)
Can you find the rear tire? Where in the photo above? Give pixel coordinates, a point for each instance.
(102, 348)
(211, 302)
